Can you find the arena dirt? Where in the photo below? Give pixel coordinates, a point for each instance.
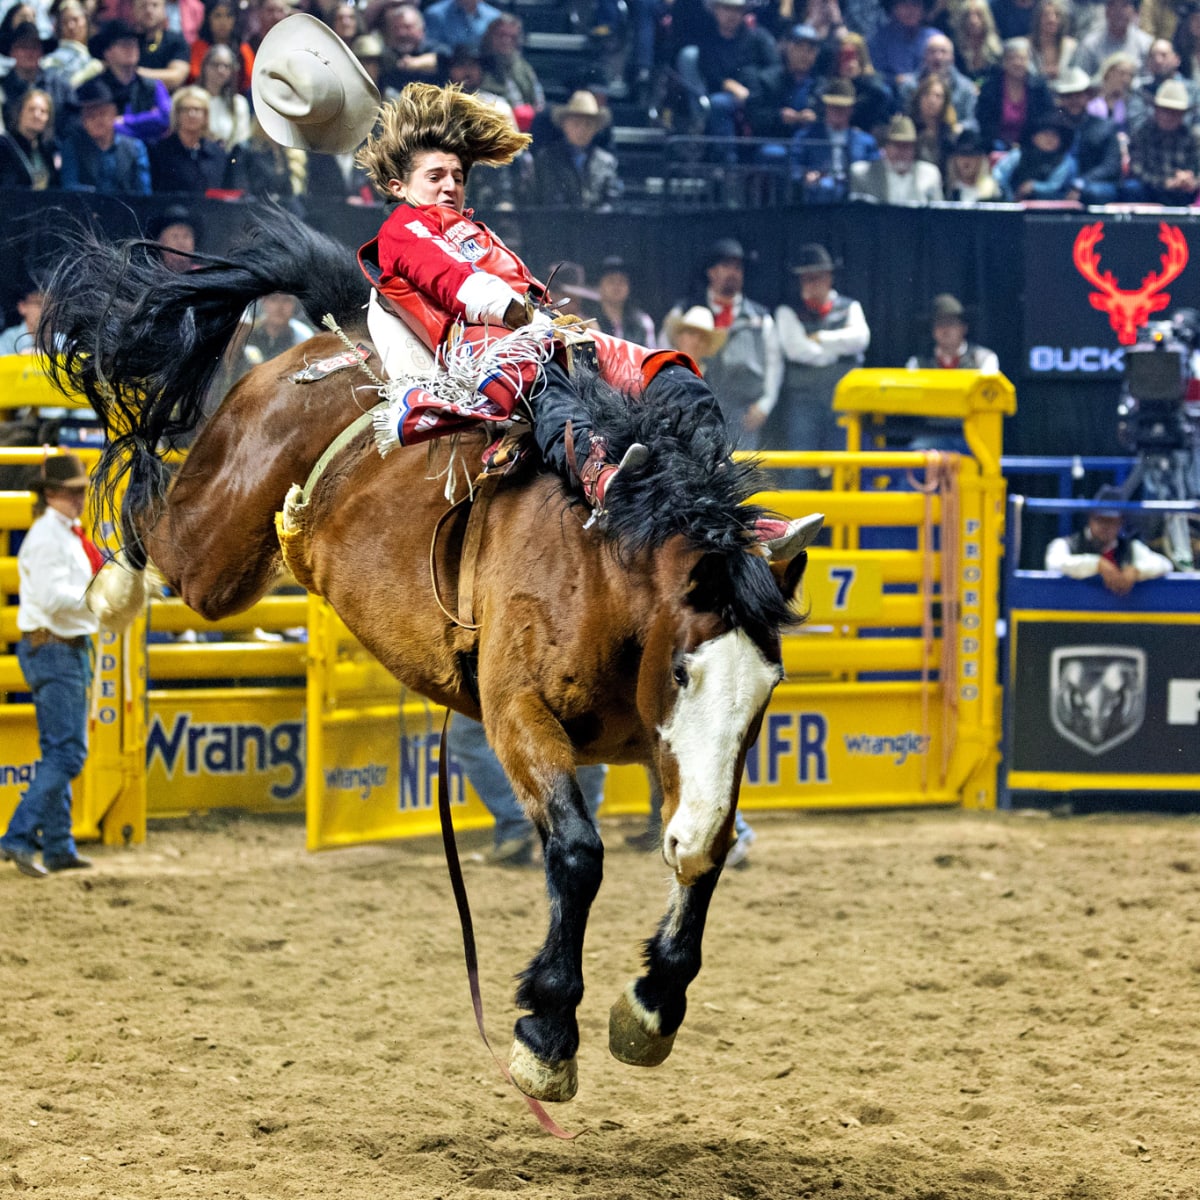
(922, 1006)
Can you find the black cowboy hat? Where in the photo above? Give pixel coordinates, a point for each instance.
(64, 471)
(174, 214)
(110, 32)
(813, 259)
(94, 93)
(22, 31)
(614, 264)
(968, 142)
(1103, 501)
(722, 250)
(947, 307)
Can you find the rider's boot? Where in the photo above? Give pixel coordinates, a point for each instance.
(596, 472)
(781, 540)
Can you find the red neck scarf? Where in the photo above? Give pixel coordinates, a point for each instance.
(95, 558)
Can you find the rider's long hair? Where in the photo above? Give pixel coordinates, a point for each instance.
(425, 117)
(143, 342)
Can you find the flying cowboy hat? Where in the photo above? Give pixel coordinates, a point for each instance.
(310, 92)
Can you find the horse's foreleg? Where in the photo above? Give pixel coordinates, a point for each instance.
(643, 1022)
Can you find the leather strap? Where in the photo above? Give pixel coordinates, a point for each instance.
(485, 487)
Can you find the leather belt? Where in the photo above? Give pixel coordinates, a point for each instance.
(40, 637)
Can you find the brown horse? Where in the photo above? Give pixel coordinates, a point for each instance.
(654, 640)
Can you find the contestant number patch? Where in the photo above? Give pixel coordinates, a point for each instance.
(844, 590)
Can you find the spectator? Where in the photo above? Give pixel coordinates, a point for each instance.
(977, 46)
(614, 310)
(268, 14)
(178, 231)
(574, 172)
(507, 73)
(823, 154)
(28, 154)
(951, 351)
(1115, 88)
(1051, 46)
(514, 833)
(1119, 35)
(899, 46)
(345, 21)
(222, 27)
(786, 99)
(96, 156)
(410, 55)
(274, 328)
(71, 58)
(262, 167)
(968, 178)
(56, 565)
(228, 109)
(864, 17)
(935, 120)
(26, 46)
(143, 105)
(1011, 99)
(822, 338)
(188, 159)
(897, 177)
(1162, 63)
(825, 16)
(728, 66)
(369, 49)
(1095, 146)
(1013, 18)
(459, 22)
(745, 373)
(1187, 43)
(939, 62)
(874, 102)
(1105, 548)
(165, 56)
(1165, 153)
(22, 337)
(694, 334)
(1041, 167)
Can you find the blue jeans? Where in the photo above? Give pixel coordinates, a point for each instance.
(469, 745)
(58, 677)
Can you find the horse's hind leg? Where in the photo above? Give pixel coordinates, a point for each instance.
(542, 1063)
(643, 1022)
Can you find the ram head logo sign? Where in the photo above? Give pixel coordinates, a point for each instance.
(1097, 695)
(1129, 310)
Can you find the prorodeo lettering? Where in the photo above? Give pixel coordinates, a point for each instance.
(216, 748)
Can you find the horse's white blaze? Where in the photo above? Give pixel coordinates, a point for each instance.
(729, 680)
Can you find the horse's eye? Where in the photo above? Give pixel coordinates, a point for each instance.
(680, 675)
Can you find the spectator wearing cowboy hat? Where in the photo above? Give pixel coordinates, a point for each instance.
(1164, 152)
(968, 179)
(745, 372)
(55, 565)
(614, 309)
(897, 177)
(1095, 146)
(1105, 548)
(143, 105)
(573, 172)
(898, 47)
(694, 334)
(1041, 167)
(1162, 63)
(822, 337)
(96, 156)
(823, 154)
(26, 46)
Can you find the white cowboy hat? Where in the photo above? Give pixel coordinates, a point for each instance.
(310, 92)
(581, 104)
(700, 320)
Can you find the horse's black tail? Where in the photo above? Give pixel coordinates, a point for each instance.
(142, 342)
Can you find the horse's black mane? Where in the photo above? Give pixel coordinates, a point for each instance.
(690, 487)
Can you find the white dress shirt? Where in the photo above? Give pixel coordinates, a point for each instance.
(54, 575)
(826, 346)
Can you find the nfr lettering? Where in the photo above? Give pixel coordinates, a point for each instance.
(419, 772)
(791, 748)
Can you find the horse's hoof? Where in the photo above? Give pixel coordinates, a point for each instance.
(630, 1036)
(549, 1081)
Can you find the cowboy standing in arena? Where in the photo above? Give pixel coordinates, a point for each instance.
(452, 279)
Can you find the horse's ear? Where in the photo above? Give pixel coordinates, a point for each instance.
(709, 586)
(788, 574)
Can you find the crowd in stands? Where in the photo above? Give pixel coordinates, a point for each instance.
(892, 101)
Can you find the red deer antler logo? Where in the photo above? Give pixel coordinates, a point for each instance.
(1129, 310)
